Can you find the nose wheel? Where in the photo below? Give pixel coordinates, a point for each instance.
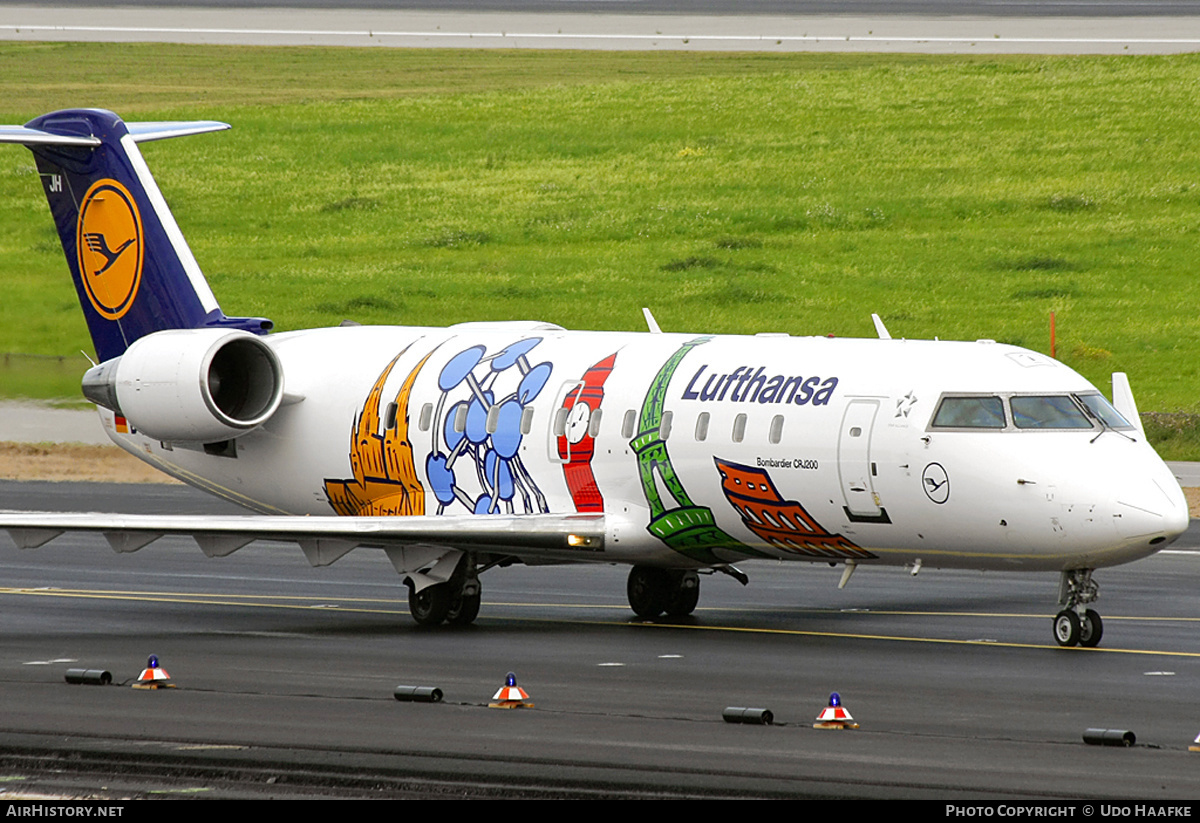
(1075, 625)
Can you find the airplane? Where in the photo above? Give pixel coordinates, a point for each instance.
(457, 450)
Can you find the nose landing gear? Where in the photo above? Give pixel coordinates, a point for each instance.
(1075, 625)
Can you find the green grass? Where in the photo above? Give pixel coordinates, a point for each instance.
(959, 197)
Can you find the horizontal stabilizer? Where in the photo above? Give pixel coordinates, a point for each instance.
(145, 132)
(24, 136)
(140, 132)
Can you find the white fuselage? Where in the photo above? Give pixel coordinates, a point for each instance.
(697, 449)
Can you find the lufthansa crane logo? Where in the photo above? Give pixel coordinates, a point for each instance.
(111, 248)
(936, 483)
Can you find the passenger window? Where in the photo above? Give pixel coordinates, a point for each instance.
(970, 413)
(1051, 412)
(594, 423)
(460, 418)
(664, 427)
(389, 417)
(628, 423)
(560, 422)
(426, 416)
(739, 428)
(776, 429)
(702, 426)
(527, 420)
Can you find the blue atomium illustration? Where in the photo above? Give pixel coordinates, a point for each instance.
(480, 416)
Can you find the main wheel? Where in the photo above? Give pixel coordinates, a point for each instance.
(1091, 629)
(684, 594)
(430, 606)
(1066, 628)
(463, 609)
(648, 591)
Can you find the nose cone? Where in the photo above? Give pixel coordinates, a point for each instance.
(1150, 507)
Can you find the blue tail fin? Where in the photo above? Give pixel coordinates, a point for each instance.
(132, 268)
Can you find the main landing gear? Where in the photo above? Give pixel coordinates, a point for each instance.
(654, 591)
(455, 602)
(1075, 625)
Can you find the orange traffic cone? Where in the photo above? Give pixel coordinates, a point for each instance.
(510, 695)
(835, 716)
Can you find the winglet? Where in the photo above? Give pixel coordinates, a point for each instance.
(1123, 400)
(880, 329)
(651, 322)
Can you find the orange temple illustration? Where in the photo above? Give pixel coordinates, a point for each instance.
(385, 479)
(782, 523)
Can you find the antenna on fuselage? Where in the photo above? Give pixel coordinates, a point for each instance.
(651, 322)
(880, 329)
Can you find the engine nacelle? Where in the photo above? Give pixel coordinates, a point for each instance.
(191, 385)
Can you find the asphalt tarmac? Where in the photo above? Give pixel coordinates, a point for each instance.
(285, 678)
(922, 26)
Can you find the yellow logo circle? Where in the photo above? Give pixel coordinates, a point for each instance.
(111, 248)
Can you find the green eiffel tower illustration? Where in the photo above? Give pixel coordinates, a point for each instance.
(687, 528)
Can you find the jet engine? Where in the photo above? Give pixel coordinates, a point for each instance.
(191, 385)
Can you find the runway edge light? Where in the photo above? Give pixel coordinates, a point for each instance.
(835, 716)
(153, 676)
(510, 695)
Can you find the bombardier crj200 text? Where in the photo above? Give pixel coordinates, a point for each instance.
(457, 450)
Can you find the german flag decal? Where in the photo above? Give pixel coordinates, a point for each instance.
(111, 248)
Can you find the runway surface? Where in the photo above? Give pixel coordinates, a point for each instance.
(928, 26)
(990, 8)
(286, 675)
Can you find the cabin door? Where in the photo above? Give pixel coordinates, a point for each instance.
(855, 469)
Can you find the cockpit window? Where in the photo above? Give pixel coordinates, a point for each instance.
(970, 413)
(1104, 411)
(1048, 412)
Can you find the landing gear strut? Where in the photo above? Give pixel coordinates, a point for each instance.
(455, 602)
(1075, 625)
(655, 591)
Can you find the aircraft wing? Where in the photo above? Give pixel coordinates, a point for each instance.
(417, 546)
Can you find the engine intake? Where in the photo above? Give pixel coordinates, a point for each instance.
(191, 385)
